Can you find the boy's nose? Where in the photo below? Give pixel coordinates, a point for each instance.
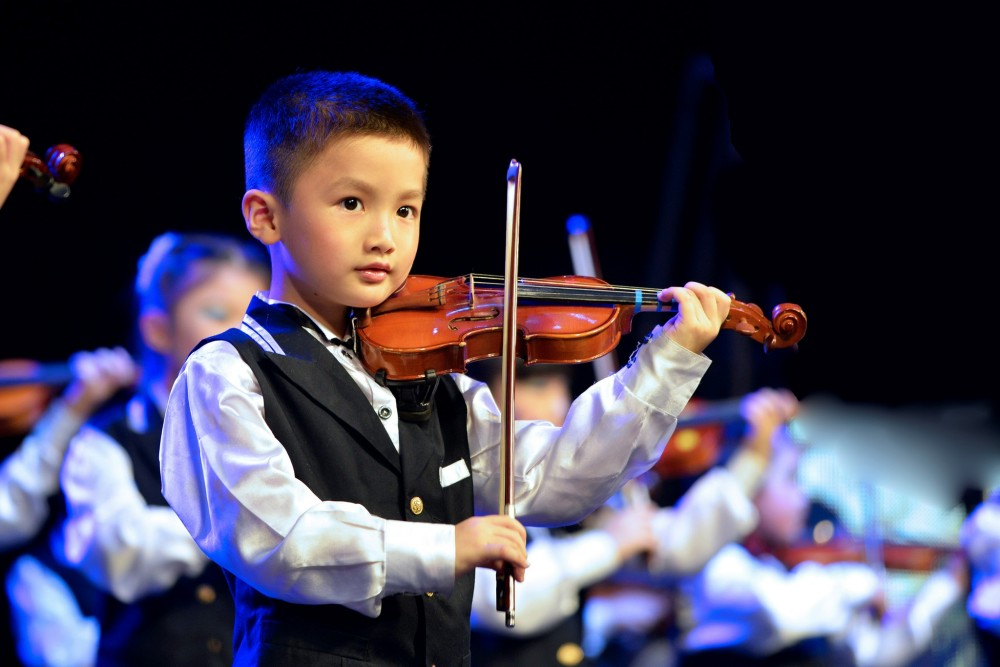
(380, 235)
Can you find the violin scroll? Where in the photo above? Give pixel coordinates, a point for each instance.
(55, 173)
(786, 327)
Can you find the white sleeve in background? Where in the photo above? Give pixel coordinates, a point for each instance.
(983, 604)
(712, 513)
(48, 626)
(122, 544)
(30, 474)
(756, 604)
(980, 537)
(561, 566)
(904, 636)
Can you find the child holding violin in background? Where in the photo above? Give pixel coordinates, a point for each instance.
(30, 503)
(718, 467)
(746, 607)
(573, 574)
(35, 432)
(159, 601)
(349, 521)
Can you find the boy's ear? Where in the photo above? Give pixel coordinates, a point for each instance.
(154, 327)
(259, 209)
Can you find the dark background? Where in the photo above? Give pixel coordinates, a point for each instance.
(832, 157)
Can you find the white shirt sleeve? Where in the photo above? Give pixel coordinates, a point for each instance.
(122, 544)
(246, 509)
(714, 512)
(30, 475)
(48, 625)
(614, 431)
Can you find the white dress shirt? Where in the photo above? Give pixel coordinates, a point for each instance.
(233, 485)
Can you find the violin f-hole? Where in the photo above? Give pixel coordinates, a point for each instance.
(493, 314)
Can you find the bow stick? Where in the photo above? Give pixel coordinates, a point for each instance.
(505, 577)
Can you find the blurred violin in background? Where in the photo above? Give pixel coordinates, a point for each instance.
(55, 173)
(892, 555)
(26, 389)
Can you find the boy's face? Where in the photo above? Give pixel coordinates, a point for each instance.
(348, 237)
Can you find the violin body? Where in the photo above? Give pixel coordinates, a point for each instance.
(894, 556)
(433, 325)
(439, 324)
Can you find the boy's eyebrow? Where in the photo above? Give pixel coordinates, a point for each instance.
(353, 183)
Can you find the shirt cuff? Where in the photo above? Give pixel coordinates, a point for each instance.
(419, 557)
(658, 359)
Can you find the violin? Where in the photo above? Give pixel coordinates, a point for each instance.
(55, 173)
(434, 325)
(893, 556)
(26, 389)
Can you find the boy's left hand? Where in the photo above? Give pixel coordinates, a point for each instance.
(701, 313)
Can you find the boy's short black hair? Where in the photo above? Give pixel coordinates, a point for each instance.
(297, 116)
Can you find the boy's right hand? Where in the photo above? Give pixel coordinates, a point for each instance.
(97, 376)
(491, 541)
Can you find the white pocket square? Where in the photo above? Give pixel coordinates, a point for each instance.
(453, 473)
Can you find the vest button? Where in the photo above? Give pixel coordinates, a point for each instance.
(430, 594)
(385, 412)
(215, 645)
(416, 505)
(205, 594)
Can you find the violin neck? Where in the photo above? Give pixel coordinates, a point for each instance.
(581, 290)
(53, 374)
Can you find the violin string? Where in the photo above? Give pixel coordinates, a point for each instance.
(556, 290)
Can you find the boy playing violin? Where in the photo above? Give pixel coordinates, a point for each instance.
(347, 527)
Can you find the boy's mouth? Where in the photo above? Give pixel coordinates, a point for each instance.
(374, 272)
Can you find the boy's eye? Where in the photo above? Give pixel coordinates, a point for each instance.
(352, 204)
(405, 212)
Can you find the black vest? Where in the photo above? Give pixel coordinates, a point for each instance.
(192, 622)
(342, 452)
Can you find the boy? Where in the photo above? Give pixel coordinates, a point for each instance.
(346, 530)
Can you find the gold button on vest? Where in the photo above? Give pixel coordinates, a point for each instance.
(416, 505)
